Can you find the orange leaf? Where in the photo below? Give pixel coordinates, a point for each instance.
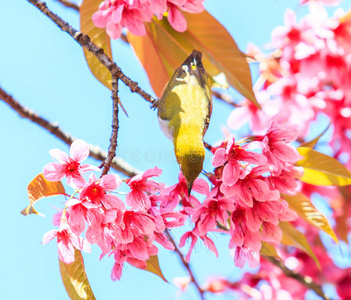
(39, 188)
(153, 266)
(99, 37)
(75, 279)
(220, 54)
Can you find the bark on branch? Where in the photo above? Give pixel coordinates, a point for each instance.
(95, 152)
(85, 42)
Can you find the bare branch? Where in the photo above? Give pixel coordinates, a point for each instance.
(186, 265)
(304, 280)
(69, 4)
(115, 125)
(118, 164)
(225, 98)
(85, 41)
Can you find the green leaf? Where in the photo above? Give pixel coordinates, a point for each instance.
(40, 188)
(313, 142)
(303, 206)
(269, 250)
(153, 266)
(321, 169)
(75, 279)
(293, 237)
(163, 49)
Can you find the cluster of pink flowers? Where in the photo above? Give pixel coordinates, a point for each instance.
(245, 200)
(114, 15)
(246, 197)
(127, 233)
(309, 74)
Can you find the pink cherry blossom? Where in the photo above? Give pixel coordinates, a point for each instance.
(190, 235)
(247, 112)
(134, 223)
(171, 196)
(275, 145)
(67, 241)
(69, 167)
(243, 255)
(232, 155)
(175, 18)
(117, 14)
(212, 210)
(95, 192)
(241, 234)
(76, 218)
(141, 186)
(249, 187)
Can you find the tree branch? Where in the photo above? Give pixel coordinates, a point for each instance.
(95, 152)
(69, 4)
(186, 265)
(304, 280)
(225, 98)
(85, 42)
(115, 125)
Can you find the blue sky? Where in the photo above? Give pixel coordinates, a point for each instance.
(44, 69)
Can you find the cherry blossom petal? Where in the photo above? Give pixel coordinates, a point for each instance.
(99, 19)
(152, 172)
(176, 19)
(65, 252)
(54, 172)
(59, 155)
(162, 239)
(112, 201)
(231, 173)
(49, 236)
(209, 244)
(271, 233)
(116, 15)
(219, 158)
(79, 150)
(80, 243)
(285, 152)
(135, 26)
(138, 249)
(113, 30)
(116, 271)
(110, 182)
(200, 186)
(253, 157)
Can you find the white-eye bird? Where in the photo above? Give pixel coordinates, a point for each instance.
(184, 112)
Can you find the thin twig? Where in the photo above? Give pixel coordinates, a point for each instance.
(115, 125)
(225, 98)
(69, 4)
(304, 280)
(95, 152)
(85, 42)
(186, 265)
